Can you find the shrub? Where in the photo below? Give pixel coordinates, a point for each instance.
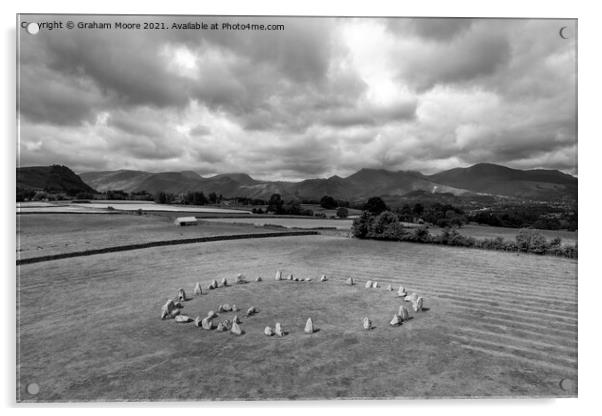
(531, 241)
(342, 212)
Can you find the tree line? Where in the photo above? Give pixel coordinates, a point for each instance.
(387, 225)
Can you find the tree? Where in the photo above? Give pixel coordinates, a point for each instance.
(275, 203)
(328, 202)
(375, 205)
(361, 225)
(418, 209)
(342, 212)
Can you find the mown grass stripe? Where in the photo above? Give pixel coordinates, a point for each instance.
(517, 352)
(530, 361)
(517, 340)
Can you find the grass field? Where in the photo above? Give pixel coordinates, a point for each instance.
(44, 234)
(497, 325)
(306, 223)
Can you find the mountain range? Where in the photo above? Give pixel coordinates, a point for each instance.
(482, 178)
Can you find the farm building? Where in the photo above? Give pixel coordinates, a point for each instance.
(185, 221)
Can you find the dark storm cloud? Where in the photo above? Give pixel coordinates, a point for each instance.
(471, 55)
(324, 96)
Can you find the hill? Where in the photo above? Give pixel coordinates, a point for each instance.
(53, 178)
(125, 180)
(537, 184)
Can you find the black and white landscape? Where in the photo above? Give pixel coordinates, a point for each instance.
(395, 198)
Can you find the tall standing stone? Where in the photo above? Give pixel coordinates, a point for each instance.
(309, 326)
(198, 290)
(367, 323)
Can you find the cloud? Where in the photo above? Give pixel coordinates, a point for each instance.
(325, 96)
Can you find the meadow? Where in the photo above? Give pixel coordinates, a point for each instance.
(497, 324)
(306, 223)
(45, 234)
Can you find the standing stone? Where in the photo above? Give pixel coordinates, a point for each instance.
(349, 281)
(395, 321)
(211, 315)
(259, 279)
(411, 298)
(367, 323)
(235, 319)
(375, 285)
(207, 323)
(220, 327)
(323, 278)
(389, 288)
(235, 308)
(309, 326)
(226, 307)
(403, 313)
(268, 331)
(220, 308)
(197, 321)
(401, 292)
(279, 331)
(368, 284)
(278, 275)
(198, 290)
(417, 305)
(241, 279)
(213, 284)
(236, 329)
(251, 311)
(181, 295)
(290, 277)
(167, 309)
(224, 282)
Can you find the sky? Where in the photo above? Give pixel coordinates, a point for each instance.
(323, 97)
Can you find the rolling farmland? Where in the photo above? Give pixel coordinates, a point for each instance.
(497, 324)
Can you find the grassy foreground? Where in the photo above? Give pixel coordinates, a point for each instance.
(497, 325)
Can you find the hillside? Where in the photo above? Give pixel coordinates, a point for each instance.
(53, 178)
(500, 180)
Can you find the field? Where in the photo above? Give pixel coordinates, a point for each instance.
(307, 223)
(44, 234)
(497, 324)
(103, 206)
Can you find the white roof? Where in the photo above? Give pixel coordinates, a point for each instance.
(185, 219)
